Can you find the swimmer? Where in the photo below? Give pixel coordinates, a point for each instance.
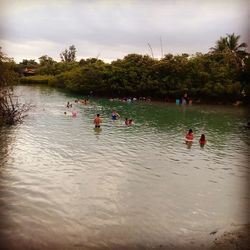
(130, 122)
(74, 113)
(189, 135)
(65, 113)
(126, 121)
(97, 121)
(115, 115)
(202, 140)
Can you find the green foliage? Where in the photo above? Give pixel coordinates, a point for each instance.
(230, 43)
(29, 64)
(69, 55)
(245, 79)
(11, 111)
(220, 75)
(46, 60)
(39, 79)
(8, 76)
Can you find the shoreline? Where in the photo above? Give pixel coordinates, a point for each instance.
(235, 237)
(237, 103)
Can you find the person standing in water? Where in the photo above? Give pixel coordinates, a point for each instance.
(126, 121)
(202, 140)
(189, 135)
(115, 115)
(97, 121)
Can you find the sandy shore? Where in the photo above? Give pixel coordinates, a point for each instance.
(236, 238)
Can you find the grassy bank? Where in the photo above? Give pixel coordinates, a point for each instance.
(39, 79)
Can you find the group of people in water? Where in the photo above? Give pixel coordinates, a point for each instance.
(70, 105)
(130, 99)
(190, 137)
(128, 122)
(98, 120)
(114, 116)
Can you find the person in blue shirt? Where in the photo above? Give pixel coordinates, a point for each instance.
(115, 115)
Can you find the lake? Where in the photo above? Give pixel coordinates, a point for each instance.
(65, 185)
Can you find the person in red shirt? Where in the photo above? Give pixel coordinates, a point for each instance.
(202, 140)
(189, 135)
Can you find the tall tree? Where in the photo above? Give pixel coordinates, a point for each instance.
(28, 63)
(69, 55)
(231, 42)
(46, 60)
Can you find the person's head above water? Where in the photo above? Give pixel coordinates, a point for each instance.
(98, 115)
(190, 131)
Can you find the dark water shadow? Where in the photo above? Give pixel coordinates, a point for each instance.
(245, 136)
(6, 141)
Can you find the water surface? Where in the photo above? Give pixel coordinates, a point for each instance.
(65, 185)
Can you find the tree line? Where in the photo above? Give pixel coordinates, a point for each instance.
(220, 75)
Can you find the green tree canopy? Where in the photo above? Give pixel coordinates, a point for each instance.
(69, 55)
(231, 42)
(28, 63)
(7, 66)
(46, 60)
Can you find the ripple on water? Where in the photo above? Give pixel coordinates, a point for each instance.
(64, 180)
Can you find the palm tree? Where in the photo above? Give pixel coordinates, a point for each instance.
(230, 42)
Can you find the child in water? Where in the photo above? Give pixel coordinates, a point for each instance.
(202, 140)
(126, 121)
(189, 135)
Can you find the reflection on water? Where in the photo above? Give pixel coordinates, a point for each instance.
(64, 184)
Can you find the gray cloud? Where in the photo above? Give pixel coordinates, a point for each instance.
(116, 28)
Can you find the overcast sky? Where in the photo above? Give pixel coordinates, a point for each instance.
(112, 29)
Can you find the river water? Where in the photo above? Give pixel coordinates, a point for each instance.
(64, 185)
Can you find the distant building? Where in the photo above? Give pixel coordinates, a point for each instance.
(28, 72)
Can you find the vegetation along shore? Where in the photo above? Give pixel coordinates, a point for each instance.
(220, 76)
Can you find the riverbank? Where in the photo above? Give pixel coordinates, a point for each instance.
(46, 81)
(238, 237)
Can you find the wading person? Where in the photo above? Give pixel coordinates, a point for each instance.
(97, 121)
